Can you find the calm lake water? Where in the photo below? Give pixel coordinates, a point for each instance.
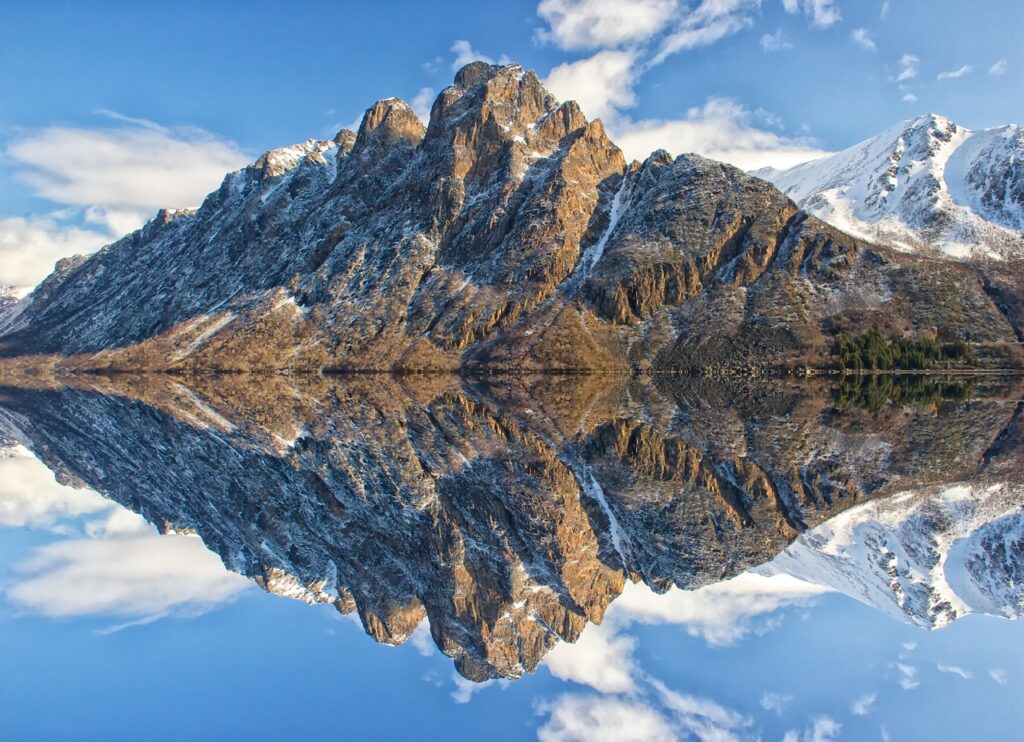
(555, 558)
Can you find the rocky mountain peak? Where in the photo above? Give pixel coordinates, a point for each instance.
(388, 122)
(485, 95)
(345, 139)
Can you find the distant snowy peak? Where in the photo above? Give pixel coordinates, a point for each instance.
(926, 558)
(927, 183)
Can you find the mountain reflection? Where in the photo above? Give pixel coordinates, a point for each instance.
(511, 512)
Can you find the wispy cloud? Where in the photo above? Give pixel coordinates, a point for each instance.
(653, 29)
(818, 729)
(953, 74)
(862, 705)
(998, 674)
(907, 675)
(819, 13)
(886, 8)
(465, 53)
(596, 719)
(909, 98)
(775, 42)
(776, 702)
(999, 68)
(466, 689)
(954, 670)
(593, 24)
(862, 38)
(907, 68)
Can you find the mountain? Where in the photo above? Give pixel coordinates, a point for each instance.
(508, 234)
(509, 512)
(927, 184)
(925, 558)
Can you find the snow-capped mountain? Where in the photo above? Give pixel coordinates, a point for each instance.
(928, 183)
(926, 558)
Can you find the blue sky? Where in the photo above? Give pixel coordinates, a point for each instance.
(114, 109)
(110, 631)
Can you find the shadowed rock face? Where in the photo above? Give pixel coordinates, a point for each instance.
(509, 513)
(509, 233)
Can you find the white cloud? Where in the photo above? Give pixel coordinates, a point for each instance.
(908, 68)
(886, 8)
(114, 177)
(709, 22)
(909, 98)
(466, 689)
(422, 640)
(820, 13)
(818, 729)
(422, 103)
(30, 247)
(701, 717)
(601, 84)
(998, 674)
(124, 569)
(823, 729)
(31, 496)
(862, 38)
(579, 718)
(953, 74)
(123, 174)
(722, 129)
(722, 613)
(599, 659)
(954, 670)
(465, 53)
(774, 42)
(999, 68)
(591, 24)
(908, 676)
(775, 702)
(862, 706)
(910, 646)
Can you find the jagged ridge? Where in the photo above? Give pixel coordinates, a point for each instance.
(508, 234)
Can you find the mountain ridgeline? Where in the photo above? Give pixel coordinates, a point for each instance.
(508, 234)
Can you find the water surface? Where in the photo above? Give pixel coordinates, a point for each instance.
(550, 557)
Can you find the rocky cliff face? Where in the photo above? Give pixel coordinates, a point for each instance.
(509, 234)
(509, 514)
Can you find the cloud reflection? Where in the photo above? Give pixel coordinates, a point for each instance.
(114, 565)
